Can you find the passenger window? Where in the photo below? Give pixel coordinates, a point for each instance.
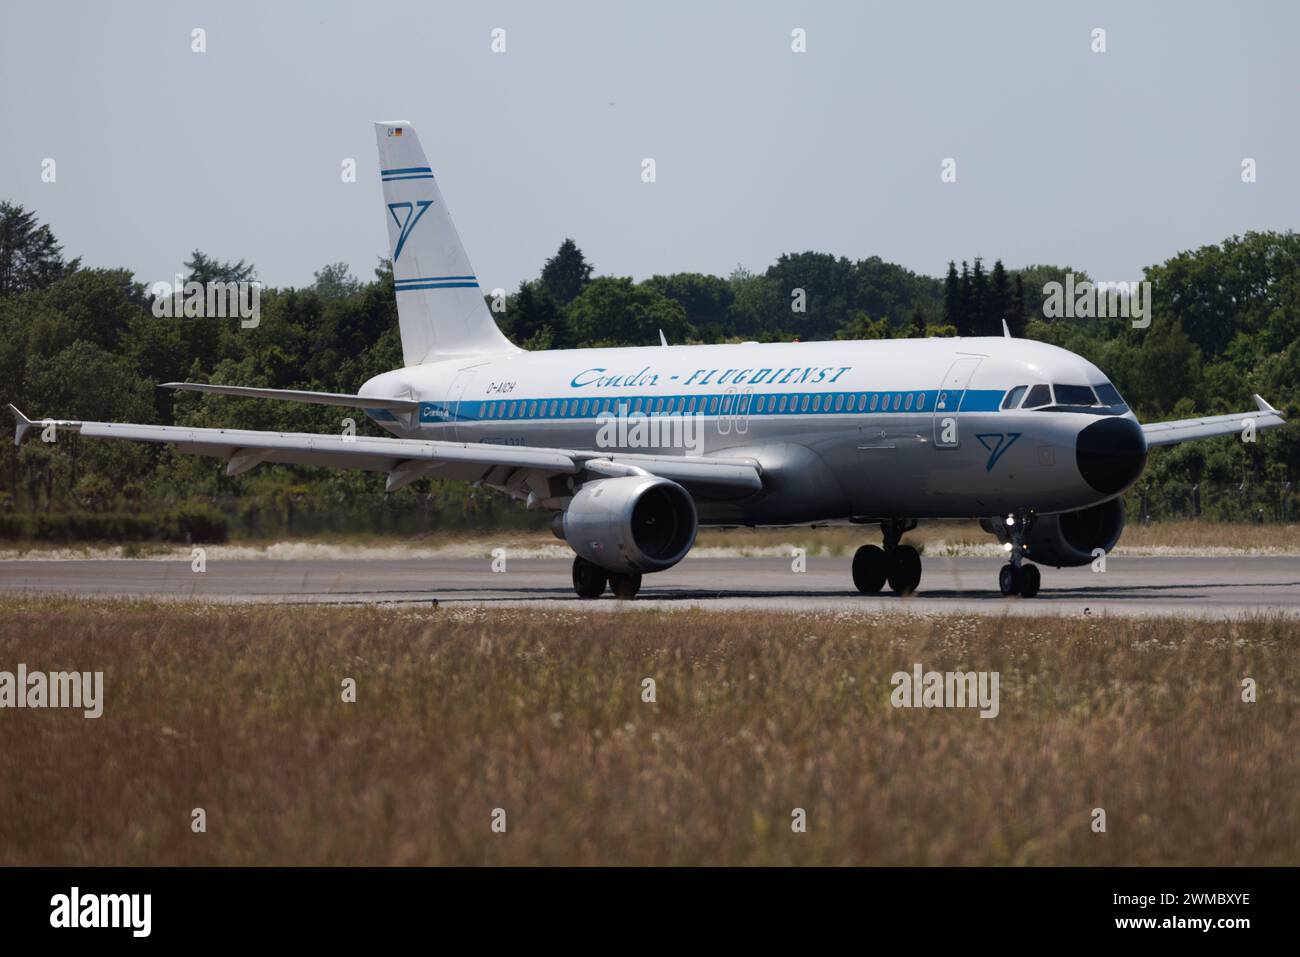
(898, 400)
(1039, 396)
(1014, 396)
(908, 404)
(817, 403)
(920, 401)
(713, 405)
(1077, 395)
(875, 401)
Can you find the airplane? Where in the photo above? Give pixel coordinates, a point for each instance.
(635, 449)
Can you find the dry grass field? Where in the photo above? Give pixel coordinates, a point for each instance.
(239, 710)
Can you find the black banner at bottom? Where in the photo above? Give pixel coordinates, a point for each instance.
(232, 905)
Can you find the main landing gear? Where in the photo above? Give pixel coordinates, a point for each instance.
(900, 565)
(1016, 577)
(590, 581)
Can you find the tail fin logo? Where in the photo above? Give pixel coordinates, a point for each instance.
(407, 221)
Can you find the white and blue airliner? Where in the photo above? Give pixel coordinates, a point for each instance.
(634, 449)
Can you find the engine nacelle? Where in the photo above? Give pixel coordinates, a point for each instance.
(634, 523)
(1069, 538)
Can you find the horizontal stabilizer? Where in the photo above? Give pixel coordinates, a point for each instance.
(295, 395)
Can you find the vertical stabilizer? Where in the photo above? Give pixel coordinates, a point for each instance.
(440, 306)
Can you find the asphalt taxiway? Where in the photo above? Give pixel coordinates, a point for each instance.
(1186, 586)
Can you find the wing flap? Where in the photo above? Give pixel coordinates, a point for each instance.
(388, 403)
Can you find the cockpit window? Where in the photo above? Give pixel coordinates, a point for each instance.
(1109, 395)
(1013, 397)
(1039, 396)
(1076, 395)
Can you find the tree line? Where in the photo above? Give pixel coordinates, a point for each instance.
(83, 342)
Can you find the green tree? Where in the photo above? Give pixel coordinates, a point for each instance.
(617, 311)
(204, 268)
(533, 318)
(706, 299)
(952, 297)
(335, 281)
(566, 273)
(826, 287)
(30, 258)
(998, 308)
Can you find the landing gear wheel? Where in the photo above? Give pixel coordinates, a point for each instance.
(869, 569)
(904, 569)
(1009, 580)
(1030, 579)
(588, 579)
(625, 585)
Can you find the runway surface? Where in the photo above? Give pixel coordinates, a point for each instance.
(1199, 587)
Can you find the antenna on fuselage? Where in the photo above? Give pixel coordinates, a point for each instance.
(1006, 330)
(663, 340)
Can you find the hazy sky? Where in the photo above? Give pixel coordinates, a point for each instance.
(1107, 162)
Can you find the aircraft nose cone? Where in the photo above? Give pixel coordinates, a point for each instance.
(1111, 454)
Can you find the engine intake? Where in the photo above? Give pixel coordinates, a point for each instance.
(1069, 538)
(634, 523)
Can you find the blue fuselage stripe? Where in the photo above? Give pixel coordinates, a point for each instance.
(710, 405)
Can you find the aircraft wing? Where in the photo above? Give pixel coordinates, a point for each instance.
(1184, 430)
(517, 469)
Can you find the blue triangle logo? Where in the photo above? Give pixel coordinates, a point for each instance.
(997, 444)
(407, 221)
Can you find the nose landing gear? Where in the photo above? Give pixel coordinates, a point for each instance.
(900, 565)
(1016, 577)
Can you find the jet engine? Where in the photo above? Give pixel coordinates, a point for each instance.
(633, 523)
(1068, 538)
